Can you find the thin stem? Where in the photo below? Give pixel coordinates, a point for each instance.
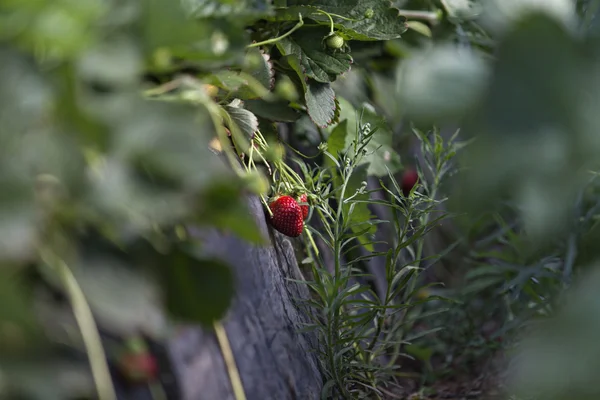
(431, 16)
(331, 25)
(274, 40)
(87, 326)
(234, 375)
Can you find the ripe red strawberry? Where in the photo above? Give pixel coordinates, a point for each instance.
(304, 207)
(409, 179)
(287, 216)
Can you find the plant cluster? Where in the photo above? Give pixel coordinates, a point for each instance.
(126, 125)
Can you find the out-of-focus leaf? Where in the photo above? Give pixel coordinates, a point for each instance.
(366, 19)
(25, 98)
(49, 378)
(20, 332)
(441, 83)
(213, 42)
(123, 300)
(462, 9)
(533, 141)
(170, 140)
(223, 205)
(18, 220)
(240, 84)
(248, 10)
(419, 27)
(258, 64)
(380, 153)
(120, 198)
(273, 111)
(197, 289)
(52, 33)
(109, 74)
(569, 339)
(500, 15)
(352, 86)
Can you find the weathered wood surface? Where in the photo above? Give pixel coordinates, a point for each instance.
(274, 360)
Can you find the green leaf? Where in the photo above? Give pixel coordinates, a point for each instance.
(371, 19)
(272, 110)
(294, 64)
(538, 113)
(240, 84)
(318, 62)
(321, 103)
(441, 83)
(360, 218)
(337, 139)
(244, 119)
(197, 289)
(18, 222)
(258, 64)
(214, 42)
(499, 16)
(20, 331)
(462, 9)
(122, 299)
(419, 27)
(59, 32)
(380, 153)
(246, 10)
(224, 206)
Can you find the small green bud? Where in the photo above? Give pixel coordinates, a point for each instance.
(335, 41)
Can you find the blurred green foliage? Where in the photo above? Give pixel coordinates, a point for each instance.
(107, 110)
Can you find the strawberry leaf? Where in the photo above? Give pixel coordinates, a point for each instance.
(22, 332)
(244, 119)
(380, 154)
(321, 103)
(244, 10)
(370, 20)
(318, 63)
(197, 289)
(273, 111)
(241, 84)
(337, 139)
(259, 66)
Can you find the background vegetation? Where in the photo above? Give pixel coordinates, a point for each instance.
(124, 124)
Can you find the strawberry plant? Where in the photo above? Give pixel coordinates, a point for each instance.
(127, 127)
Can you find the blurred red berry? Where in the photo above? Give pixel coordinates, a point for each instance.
(409, 180)
(138, 367)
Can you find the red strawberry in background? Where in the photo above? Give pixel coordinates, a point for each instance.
(287, 216)
(409, 180)
(304, 207)
(138, 367)
(135, 362)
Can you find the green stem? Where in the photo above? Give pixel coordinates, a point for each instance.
(234, 375)
(331, 25)
(89, 330)
(274, 40)
(430, 16)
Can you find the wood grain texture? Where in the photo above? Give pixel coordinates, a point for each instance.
(274, 360)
